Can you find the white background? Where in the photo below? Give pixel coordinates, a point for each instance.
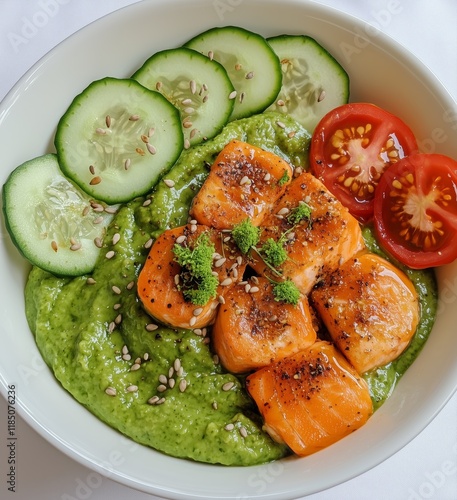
(427, 467)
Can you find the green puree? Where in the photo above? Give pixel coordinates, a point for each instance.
(71, 321)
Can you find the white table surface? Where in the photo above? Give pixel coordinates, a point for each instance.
(424, 469)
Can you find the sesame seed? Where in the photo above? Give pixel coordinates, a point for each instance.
(283, 211)
(245, 180)
(183, 385)
(135, 367)
(227, 386)
(111, 327)
(226, 282)
(171, 372)
(147, 202)
(163, 379)
(169, 183)
(148, 244)
(177, 364)
(134, 118)
(193, 86)
(160, 401)
(254, 289)
(98, 242)
(220, 262)
(180, 371)
(153, 400)
(229, 427)
(151, 327)
(232, 94)
(110, 210)
(75, 246)
(171, 383)
(198, 311)
(132, 388)
(90, 281)
(192, 321)
(111, 391)
(118, 319)
(161, 388)
(267, 177)
(110, 254)
(280, 124)
(130, 285)
(243, 432)
(221, 299)
(145, 356)
(116, 289)
(181, 239)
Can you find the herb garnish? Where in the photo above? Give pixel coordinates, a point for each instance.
(197, 282)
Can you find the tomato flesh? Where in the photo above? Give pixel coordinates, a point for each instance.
(415, 210)
(351, 148)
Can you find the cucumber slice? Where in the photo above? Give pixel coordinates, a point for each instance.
(117, 139)
(54, 224)
(313, 81)
(198, 87)
(251, 64)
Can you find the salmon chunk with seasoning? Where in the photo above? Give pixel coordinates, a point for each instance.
(252, 328)
(313, 245)
(311, 399)
(370, 309)
(244, 182)
(163, 281)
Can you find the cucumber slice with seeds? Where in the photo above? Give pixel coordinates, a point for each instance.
(198, 87)
(117, 139)
(313, 80)
(252, 65)
(54, 224)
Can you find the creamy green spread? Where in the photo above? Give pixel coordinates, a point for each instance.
(164, 387)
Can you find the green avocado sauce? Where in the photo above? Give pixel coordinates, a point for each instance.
(94, 334)
(72, 321)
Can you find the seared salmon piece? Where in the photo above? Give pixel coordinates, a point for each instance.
(311, 399)
(244, 181)
(252, 328)
(314, 246)
(370, 309)
(161, 276)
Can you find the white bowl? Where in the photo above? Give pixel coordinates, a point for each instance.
(117, 45)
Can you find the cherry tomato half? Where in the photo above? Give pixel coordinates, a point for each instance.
(351, 148)
(415, 210)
